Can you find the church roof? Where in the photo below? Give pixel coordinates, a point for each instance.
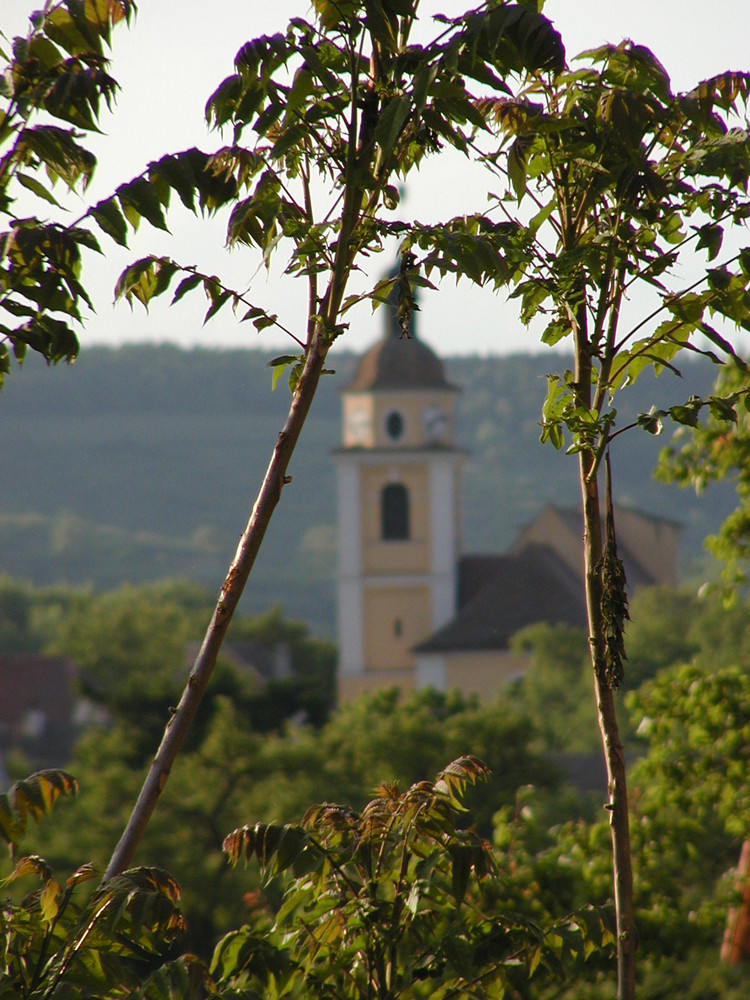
(519, 589)
(399, 360)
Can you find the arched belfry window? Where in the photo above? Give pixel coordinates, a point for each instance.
(394, 512)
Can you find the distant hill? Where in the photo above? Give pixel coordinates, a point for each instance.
(143, 462)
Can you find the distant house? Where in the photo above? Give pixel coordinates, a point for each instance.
(37, 707)
(253, 660)
(413, 611)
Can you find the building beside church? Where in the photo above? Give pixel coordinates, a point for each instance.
(413, 611)
(39, 708)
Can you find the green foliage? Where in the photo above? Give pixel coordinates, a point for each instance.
(388, 903)
(625, 179)
(669, 627)
(673, 627)
(32, 798)
(394, 901)
(715, 450)
(311, 110)
(58, 944)
(614, 168)
(232, 769)
(688, 797)
(555, 691)
(665, 629)
(363, 108)
(690, 809)
(381, 738)
(130, 650)
(57, 74)
(15, 614)
(617, 168)
(309, 689)
(689, 818)
(697, 721)
(61, 939)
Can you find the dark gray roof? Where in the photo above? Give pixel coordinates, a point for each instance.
(397, 362)
(526, 587)
(251, 655)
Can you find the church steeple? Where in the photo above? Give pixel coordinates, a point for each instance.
(399, 396)
(398, 495)
(399, 361)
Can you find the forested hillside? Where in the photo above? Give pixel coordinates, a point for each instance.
(143, 462)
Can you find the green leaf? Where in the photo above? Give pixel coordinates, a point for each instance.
(49, 900)
(138, 199)
(32, 184)
(292, 135)
(280, 364)
(265, 320)
(219, 297)
(33, 798)
(687, 413)
(725, 345)
(391, 122)
(302, 87)
(652, 422)
(111, 220)
(461, 871)
(517, 168)
(62, 155)
(145, 279)
(30, 865)
(710, 237)
(185, 978)
(178, 172)
(186, 285)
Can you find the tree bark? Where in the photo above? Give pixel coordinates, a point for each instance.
(268, 497)
(617, 803)
(735, 947)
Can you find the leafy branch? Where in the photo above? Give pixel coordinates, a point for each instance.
(59, 70)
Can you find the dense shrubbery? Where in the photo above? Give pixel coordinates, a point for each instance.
(312, 919)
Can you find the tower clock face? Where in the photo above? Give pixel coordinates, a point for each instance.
(435, 423)
(358, 425)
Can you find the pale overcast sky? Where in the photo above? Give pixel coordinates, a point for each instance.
(178, 51)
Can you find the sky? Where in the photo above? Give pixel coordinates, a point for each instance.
(178, 51)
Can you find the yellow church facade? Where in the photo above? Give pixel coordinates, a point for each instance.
(413, 611)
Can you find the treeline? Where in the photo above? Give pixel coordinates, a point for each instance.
(142, 463)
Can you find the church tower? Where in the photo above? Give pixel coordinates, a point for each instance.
(398, 479)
